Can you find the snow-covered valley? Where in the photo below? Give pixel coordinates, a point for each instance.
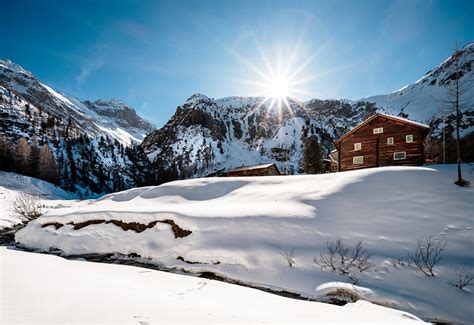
(241, 228)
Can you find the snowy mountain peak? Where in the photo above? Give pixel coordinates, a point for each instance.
(422, 101)
(8, 64)
(197, 97)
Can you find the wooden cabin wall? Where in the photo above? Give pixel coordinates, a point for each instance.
(375, 149)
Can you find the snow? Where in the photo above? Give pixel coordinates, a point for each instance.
(11, 185)
(406, 120)
(39, 288)
(245, 224)
(325, 288)
(58, 95)
(123, 136)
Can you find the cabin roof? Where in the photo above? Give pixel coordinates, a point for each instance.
(390, 117)
(255, 167)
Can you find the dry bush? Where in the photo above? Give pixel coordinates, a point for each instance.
(343, 261)
(427, 254)
(27, 207)
(464, 279)
(289, 257)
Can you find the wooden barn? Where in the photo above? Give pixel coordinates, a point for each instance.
(258, 170)
(382, 140)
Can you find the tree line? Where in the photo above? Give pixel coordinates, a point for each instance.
(33, 159)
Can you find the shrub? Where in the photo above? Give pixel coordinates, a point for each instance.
(27, 207)
(341, 260)
(464, 279)
(427, 254)
(289, 257)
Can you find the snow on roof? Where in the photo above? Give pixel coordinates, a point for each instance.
(392, 117)
(405, 120)
(250, 168)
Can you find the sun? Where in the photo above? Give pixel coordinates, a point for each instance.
(279, 79)
(279, 87)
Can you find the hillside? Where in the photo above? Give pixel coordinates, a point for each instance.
(93, 144)
(238, 229)
(207, 135)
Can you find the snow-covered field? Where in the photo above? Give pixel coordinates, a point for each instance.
(241, 226)
(11, 185)
(46, 289)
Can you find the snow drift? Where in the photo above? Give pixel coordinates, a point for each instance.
(239, 228)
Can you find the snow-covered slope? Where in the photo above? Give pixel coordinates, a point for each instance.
(425, 100)
(12, 185)
(239, 228)
(99, 293)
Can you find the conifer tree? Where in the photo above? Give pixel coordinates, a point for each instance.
(312, 157)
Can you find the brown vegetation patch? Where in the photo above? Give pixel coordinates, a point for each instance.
(177, 230)
(56, 225)
(81, 225)
(135, 226)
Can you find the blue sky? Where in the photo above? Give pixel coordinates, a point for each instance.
(155, 54)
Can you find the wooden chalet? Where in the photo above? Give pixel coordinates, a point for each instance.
(333, 162)
(382, 140)
(258, 170)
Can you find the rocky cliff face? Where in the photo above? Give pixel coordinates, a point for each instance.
(207, 135)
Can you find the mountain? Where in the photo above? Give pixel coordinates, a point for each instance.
(94, 145)
(113, 117)
(208, 135)
(425, 100)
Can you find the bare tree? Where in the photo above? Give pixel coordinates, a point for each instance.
(341, 260)
(464, 279)
(427, 254)
(457, 86)
(289, 257)
(27, 207)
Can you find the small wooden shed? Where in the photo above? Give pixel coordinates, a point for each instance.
(257, 170)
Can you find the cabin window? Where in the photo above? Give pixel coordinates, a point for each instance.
(358, 160)
(357, 146)
(409, 138)
(399, 155)
(378, 130)
(390, 140)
